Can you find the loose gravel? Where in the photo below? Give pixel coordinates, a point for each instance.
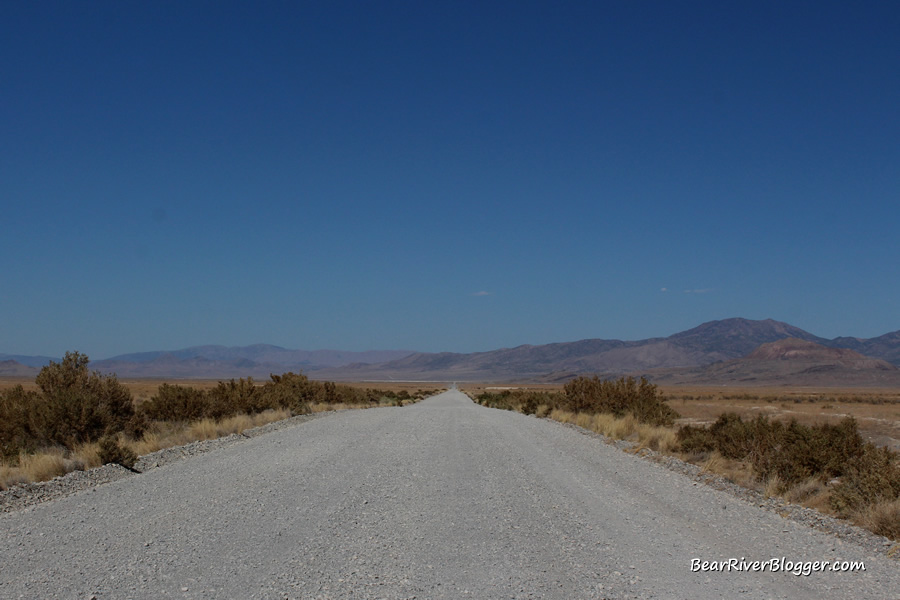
(442, 499)
(794, 512)
(24, 495)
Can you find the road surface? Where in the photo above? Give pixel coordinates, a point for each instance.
(442, 499)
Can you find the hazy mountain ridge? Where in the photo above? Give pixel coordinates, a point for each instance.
(706, 344)
(683, 355)
(790, 361)
(257, 360)
(12, 368)
(28, 361)
(267, 354)
(212, 361)
(886, 347)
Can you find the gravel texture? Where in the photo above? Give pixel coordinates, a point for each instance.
(30, 494)
(442, 499)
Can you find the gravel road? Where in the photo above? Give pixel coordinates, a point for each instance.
(442, 499)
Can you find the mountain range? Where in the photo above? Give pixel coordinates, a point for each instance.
(790, 361)
(658, 358)
(725, 351)
(200, 362)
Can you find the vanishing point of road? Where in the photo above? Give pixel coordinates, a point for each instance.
(441, 499)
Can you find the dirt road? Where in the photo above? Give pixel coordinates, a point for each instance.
(443, 499)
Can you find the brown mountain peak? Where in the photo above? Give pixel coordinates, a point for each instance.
(797, 349)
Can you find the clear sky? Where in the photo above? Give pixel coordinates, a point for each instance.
(455, 176)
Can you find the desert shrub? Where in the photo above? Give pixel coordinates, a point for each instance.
(79, 405)
(231, 397)
(871, 476)
(176, 403)
(695, 440)
(111, 451)
(530, 403)
(495, 400)
(73, 406)
(792, 452)
(292, 391)
(619, 397)
(519, 400)
(625, 396)
(21, 422)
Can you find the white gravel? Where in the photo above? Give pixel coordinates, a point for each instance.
(442, 499)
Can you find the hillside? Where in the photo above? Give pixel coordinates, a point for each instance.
(258, 360)
(706, 344)
(790, 361)
(682, 355)
(11, 368)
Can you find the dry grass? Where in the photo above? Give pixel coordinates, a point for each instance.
(661, 439)
(207, 429)
(812, 493)
(48, 463)
(773, 487)
(41, 466)
(53, 462)
(735, 471)
(883, 518)
(319, 407)
(876, 410)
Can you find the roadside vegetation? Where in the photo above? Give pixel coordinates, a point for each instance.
(77, 419)
(826, 466)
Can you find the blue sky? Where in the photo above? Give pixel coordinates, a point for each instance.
(459, 177)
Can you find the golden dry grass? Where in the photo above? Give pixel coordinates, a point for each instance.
(49, 463)
(877, 411)
(882, 517)
(661, 439)
(43, 466)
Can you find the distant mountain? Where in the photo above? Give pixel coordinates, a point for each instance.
(258, 360)
(885, 346)
(11, 368)
(216, 362)
(266, 353)
(661, 357)
(30, 361)
(196, 367)
(733, 338)
(789, 361)
(706, 344)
